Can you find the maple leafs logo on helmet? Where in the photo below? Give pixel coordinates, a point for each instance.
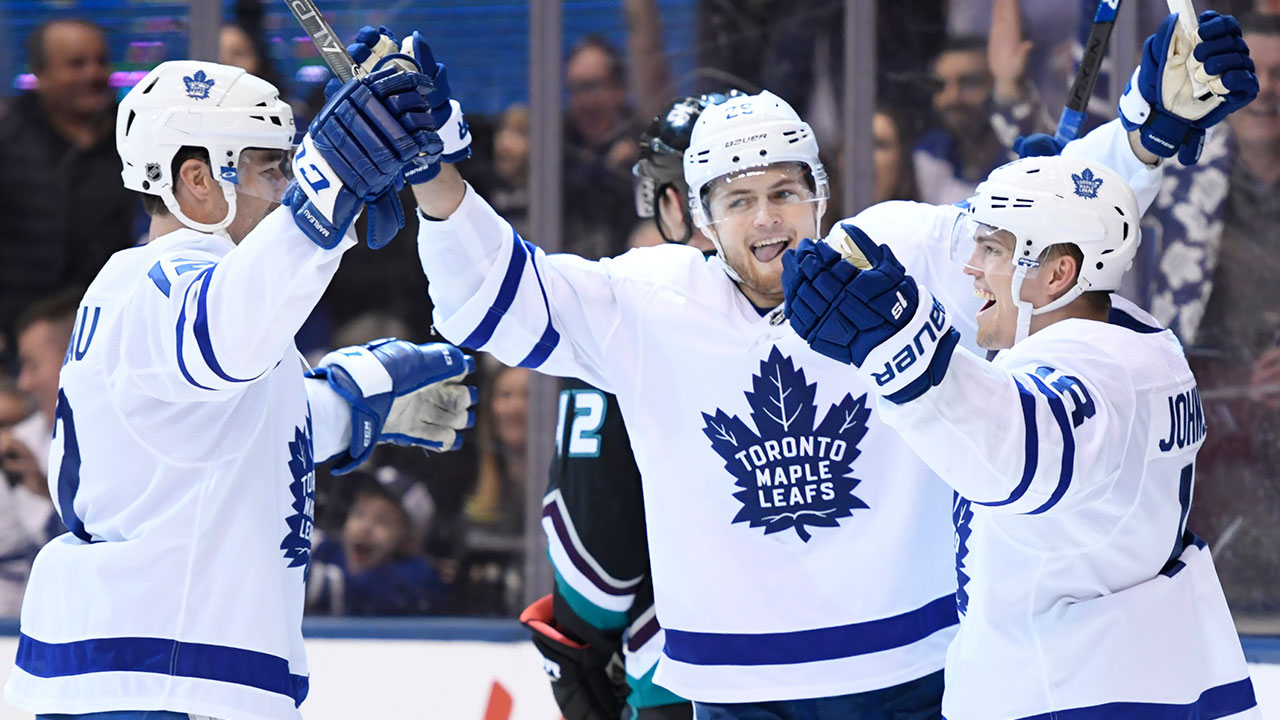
(1087, 184)
(198, 85)
(793, 472)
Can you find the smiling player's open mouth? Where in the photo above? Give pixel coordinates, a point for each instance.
(766, 250)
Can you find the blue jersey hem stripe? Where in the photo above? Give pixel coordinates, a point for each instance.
(1216, 702)
(1031, 450)
(161, 656)
(550, 336)
(506, 294)
(201, 329)
(802, 646)
(1068, 445)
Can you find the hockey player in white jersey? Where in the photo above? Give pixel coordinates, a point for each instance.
(1081, 591)
(186, 433)
(800, 549)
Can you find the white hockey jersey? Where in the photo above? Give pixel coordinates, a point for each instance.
(1082, 594)
(799, 548)
(182, 465)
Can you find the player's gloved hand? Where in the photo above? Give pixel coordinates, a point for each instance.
(1159, 101)
(375, 47)
(1037, 145)
(580, 674)
(875, 318)
(400, 393)
(354, 153)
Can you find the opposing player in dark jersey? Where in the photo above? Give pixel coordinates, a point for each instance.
(597, 630)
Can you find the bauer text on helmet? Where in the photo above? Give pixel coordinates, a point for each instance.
(756, 187)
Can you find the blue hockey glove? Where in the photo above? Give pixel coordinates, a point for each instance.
(354, 153)
(400, 393)
(1159, 101)
(375, 47)
(1037, 145)
(877, 319)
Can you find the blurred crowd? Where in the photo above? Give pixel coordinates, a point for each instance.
(411, 533)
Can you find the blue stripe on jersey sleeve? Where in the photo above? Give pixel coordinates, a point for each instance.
(201, 329)
(1216, 702)
(550, 336)
(506, 294)
(1031, 450)
(156, 273)
(162, 656)
(181, 331)
(802, 646)
(1068, 444)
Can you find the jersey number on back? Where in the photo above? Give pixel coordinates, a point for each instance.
(588, 412)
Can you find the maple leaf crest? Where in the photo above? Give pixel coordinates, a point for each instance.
(961, 516)
(198, 85)
(297, 543)
(793, 472)
(1087, 183)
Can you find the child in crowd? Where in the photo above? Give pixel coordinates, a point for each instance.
(376, 566)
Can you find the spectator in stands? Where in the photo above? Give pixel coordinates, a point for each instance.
(895, 174)
(509, 187)
(1218, 248)
(492, 562)
(599, 149)
(962, 149)
(376, 566)
(64, 206)
(27, 518)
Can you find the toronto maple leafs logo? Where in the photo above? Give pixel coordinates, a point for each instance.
(297, 543)
(198, 85)
(962, 516)
(1087, 184)
(793, 472)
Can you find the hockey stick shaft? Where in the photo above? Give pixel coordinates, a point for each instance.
(1095, 49)
(325, 39)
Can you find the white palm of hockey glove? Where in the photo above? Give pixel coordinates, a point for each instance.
(377, 47)
(1170, 111)
(400, 393)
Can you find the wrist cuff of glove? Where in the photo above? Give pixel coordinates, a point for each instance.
(902, 367)
(1134, 110)
(1163, 134)
(366, 421)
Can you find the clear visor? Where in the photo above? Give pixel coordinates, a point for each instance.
(765, 195)
(984, 248)
(262, 173)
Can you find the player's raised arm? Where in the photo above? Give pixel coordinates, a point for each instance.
(1055, 426)
(233, 299)
(492, 289)
(1159, 116)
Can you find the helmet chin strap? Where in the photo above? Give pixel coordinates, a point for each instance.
(1025, 309)
(218, 228)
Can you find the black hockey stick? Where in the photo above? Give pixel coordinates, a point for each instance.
(1095, 49)
(331, 49)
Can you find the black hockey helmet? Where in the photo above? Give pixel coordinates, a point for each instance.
(662, 146)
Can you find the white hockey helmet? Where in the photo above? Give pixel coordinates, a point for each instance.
(1045, 201)
(748, 131)
(220, 108)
